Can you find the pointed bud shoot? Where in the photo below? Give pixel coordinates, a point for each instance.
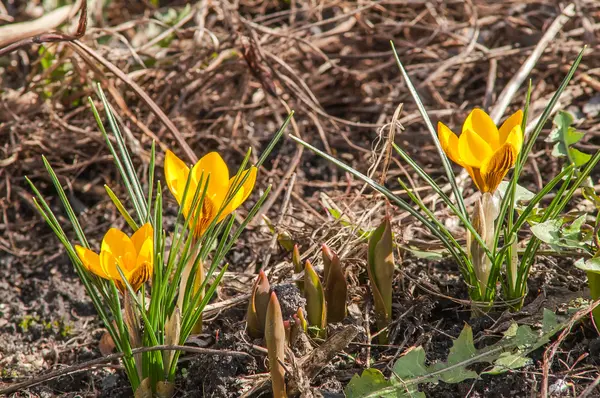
(298, 268)
(315, 301)
(275, 338)
(380, 268)
(336, 289)
(257, 306)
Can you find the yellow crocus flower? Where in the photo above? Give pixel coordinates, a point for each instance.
(134, 256)
(219, 189)
(486, 152)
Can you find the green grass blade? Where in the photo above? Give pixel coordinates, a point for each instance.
(432, 131)
(124, 213)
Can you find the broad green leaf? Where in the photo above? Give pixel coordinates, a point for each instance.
(462, 350)
(591, 265)
(411, 365)
(562, 234)
(522, 194)
(564, 136)
(579, 158)
(371, 381)
(508, 361)
(428, 255)
(410, 370)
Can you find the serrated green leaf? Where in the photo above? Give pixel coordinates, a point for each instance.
(371, 380)
(411, 365)
(410, 370)
(462, 350)
(549, 321)
(508, 361)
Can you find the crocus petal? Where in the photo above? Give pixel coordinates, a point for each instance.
(109, 264)
(212, 164)
(91, 261)
(120, 246)
(176, 175)
(495, 168)
(509, 124)
(479, 122)
(144, 266)
(140, 236)
(139, 276)
(449, 142)
(146, 255)
(515, 138)
(476, 177)
(242, 191)
(472, 149)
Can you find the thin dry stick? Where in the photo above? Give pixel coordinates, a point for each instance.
(551, 351)
(109, 358)
(79, 46)
(17, 41)
(283, 212)
(590, 389)
(513, 85)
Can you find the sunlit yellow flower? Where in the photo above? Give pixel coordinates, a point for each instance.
(217, 192)
(486, 152)
(134, 256)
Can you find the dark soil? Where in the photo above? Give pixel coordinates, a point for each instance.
(330, 62)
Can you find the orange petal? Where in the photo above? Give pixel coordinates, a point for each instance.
(509, 124)
(495, 168)
(110, 265)
(146, 256)
(144, 266)
(140, 236)
(212, 164)
(515, 138)
(476, 177)
(482, 124)
(90, 260)
(243, 191)
(449, 142)
(121, 247)
(472, 149)
(176, 175)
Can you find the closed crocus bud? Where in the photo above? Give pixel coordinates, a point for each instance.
(275, 338)
(286, 241)
(484, 215)
(172, 332)
(380, 268)
(257, 306)
(336, 289)
(315, 301)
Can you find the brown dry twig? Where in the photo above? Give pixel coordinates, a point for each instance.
(109, 358)
(50, 37)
